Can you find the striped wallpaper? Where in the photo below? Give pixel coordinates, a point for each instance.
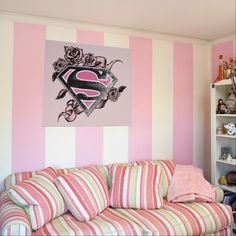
(169, 113)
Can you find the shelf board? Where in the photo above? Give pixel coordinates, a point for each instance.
(225, 115)
(223, 82)
(226, 136)
(229, 188)
(233, 162)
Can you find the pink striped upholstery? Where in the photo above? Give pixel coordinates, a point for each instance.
(167, 166)
(191, 218)
(109, 222)
(39, 197)
(85, 192)
(19, 177)
(13, 219)
(182, 219)
(135, 186)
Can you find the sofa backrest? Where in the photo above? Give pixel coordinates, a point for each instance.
(166, 165)
(19, 177)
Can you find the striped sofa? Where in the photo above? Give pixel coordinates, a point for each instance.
(171, 219)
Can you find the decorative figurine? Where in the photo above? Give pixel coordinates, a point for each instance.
(221, 69)
(226, 70)
(222, 180)
(229, 157)
(231, 99)
(221, 107)
(230, 69)
(220, 130)
(231, 178)
(231, 128)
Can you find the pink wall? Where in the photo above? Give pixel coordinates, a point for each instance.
(183, 103)
(28, 146)
(140, 131)
(28, 135)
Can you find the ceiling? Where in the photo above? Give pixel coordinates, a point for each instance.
(203, 19)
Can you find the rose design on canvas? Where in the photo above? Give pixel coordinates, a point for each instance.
(87, 79)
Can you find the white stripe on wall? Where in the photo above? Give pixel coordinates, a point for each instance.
(6, 62)
(60, 146)
(61, 34)
(162, 100)
(115, 139)
(201, 108)
(60, 141)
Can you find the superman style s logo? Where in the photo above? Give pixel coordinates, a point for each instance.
(88, 79)
(87, 85)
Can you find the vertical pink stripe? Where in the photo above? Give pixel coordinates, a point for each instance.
(225, 49)
(89, 140)
(140, 132)
(90, 37)
(28, 149)
(183, 103)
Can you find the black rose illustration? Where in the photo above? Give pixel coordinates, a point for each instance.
(89, 59)
(60, 64)
(73, 54)
(113, 94)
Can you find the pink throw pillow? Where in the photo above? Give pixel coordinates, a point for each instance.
(39, 197)
(136, 186)
(85, 192)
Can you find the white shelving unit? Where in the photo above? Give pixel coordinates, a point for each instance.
(221, 167)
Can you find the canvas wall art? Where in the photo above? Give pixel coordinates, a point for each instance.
(86, 85)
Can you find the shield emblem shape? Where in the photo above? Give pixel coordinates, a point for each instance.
(87, 85)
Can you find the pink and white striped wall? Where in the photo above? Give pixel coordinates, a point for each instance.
(170, 87)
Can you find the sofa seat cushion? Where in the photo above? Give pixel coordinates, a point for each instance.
(182, 219)
(109, 222)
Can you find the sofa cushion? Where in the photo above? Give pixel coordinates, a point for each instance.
(39, 197)
(182, 218)
(135, 186)
(109, 222)
(103, 170)
(168, 167)
(85, 192)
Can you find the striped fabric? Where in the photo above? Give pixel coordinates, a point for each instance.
(103, 169)
(136, 186)
(85, 192)
(13, 219)
(19, 177)
(109, 222)
(168, 167)
(39, 197)
(183, 219)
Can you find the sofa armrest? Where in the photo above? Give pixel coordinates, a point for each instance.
(13, 219)
(219, 193)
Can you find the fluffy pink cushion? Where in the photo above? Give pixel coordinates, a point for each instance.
(136, 186)
(85, 192)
